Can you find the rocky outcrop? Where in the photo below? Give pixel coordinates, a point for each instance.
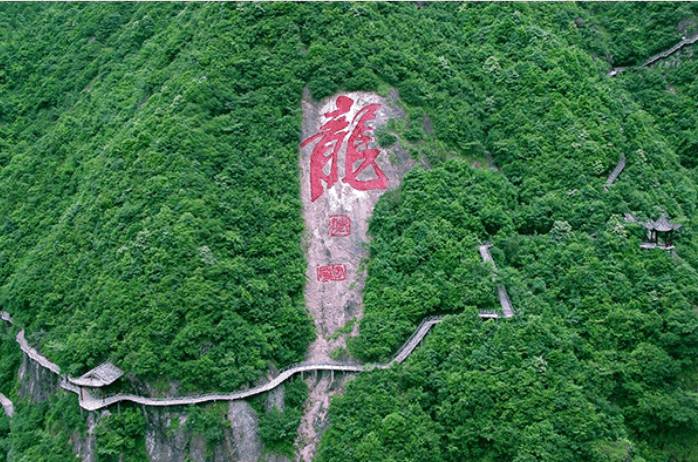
(343, 175)
(321, 389)
(275, 399)
(169, 439)
(248, 446)
(166, 438)
(275, 458)
(84, 446)
(36, 383)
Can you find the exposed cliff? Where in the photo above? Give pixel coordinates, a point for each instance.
(36, 383)
(223, 432)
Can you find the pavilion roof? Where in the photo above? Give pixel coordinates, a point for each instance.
(662, 224)
(101, 376)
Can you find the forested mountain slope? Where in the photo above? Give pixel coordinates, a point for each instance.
(149, 215)
(631, 33)
(150, 209)
(600, 363)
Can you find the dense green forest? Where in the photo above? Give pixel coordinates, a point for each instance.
(600, 364)
(150, 209)
(150, 215)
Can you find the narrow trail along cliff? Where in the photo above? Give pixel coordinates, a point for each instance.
(662, 55)
(92, 403)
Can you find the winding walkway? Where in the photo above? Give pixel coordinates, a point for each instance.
(92, 403)
(35, 356)
(684, 42)
(613, 176)
(504, 300)
(666, 53)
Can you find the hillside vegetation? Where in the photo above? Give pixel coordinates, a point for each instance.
(150, 216)
(150, 210)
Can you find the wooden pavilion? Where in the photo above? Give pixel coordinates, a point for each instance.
(660, 233)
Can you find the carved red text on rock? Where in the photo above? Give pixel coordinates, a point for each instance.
(340, 226)
(335, 272)
(361, 170)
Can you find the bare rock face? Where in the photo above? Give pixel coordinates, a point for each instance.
(166, 437)
(36, 383)
(315, 416)
(343, 175)
(85, 446)
(275, 399)
(275, 458)
(169, 440)
(248, 446)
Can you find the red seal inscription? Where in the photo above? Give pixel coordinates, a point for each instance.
(328, 273)
(340, 226)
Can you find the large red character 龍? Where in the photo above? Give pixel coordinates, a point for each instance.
(359, 156)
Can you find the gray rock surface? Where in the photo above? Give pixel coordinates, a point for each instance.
(36, 383)
(85, 446)
(245, 429)
(168, 439)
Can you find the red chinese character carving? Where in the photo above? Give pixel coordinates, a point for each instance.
(331, 136)
(359, 156)
(340, 225)
(337, 272)
(358, 150)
